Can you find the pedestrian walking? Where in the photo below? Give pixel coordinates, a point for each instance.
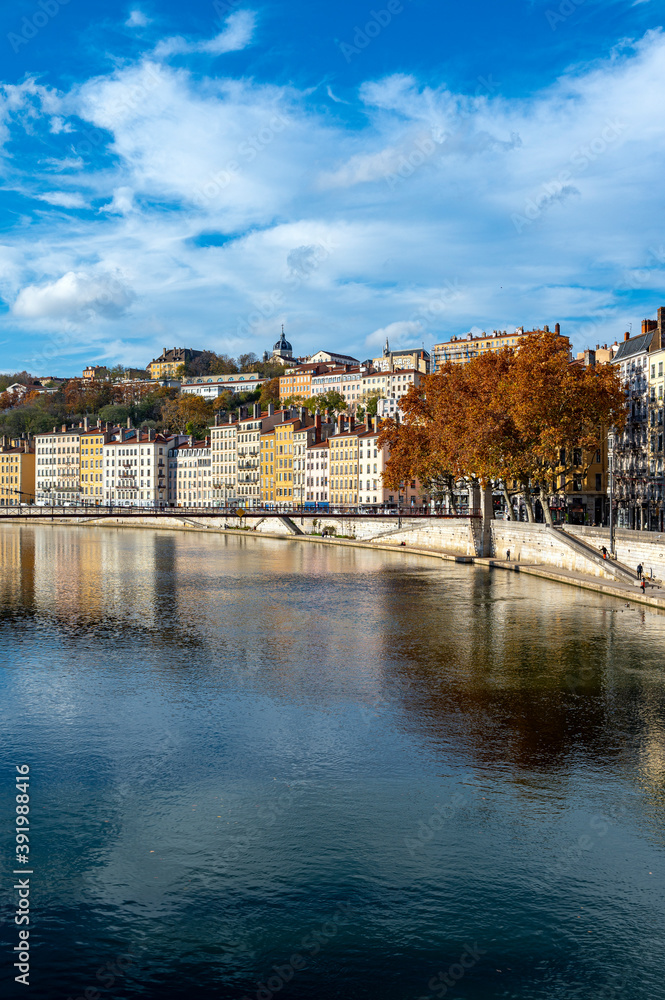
(640, 568)
(604, 551)
(644, 585)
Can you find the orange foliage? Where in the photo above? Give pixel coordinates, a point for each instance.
(502, 416)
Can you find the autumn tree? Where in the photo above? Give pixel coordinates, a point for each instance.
(247, 362)
(269, 393)
(504, 418)
(223, 364)
(223, 402)
(188, 409)
(8, 400)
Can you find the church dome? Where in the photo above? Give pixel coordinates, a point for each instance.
(282, 345)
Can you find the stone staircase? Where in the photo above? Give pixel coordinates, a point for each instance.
(613, 568)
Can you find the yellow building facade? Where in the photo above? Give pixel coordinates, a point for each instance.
(17, 474)
(343, 464)
(268, 467)
(170, 360)
(91, 466)
(459, 350)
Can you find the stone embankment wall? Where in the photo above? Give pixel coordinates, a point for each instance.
(632, 547)
(528, 543)
(455, 536)
(537, 544)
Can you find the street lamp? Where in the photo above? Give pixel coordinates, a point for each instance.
(611, 490)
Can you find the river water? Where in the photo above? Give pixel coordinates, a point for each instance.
(264, 768)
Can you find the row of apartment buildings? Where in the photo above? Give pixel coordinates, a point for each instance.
(636, 455)
(274, 457)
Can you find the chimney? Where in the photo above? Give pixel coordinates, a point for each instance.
(129, 421)
(26, 447)
(317, 420)
(340, 424)
(85, 423)
(285, 416)
(589, 358)
(271, 409)
(151, 434)
(64, 428)
(190, 440)
(626, 335)
(257, 411)
(303, 413)
(217, 419)
(557, 329)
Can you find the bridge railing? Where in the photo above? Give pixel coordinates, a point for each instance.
(237, 513)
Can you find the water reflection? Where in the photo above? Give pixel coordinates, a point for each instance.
(232, 735)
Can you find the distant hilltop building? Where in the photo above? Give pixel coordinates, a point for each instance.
(282, 352)
(459, 350)
(407, 357)
(329, 358)
(95, 372)
(167, 364)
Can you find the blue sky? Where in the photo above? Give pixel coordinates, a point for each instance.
(198, 174)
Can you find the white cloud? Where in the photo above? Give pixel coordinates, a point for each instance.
(237, 34)
(67, 163)
(74, 296)
(258, 207)
(122, 203)
(137, 19)
(63, 199)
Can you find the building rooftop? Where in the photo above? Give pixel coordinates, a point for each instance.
(634, 345)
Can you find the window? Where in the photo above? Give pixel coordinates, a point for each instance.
(599, 482)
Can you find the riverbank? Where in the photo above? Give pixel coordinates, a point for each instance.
(465, 549)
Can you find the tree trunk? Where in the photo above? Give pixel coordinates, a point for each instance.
(545, 504)
(506, 496)
(528, 503)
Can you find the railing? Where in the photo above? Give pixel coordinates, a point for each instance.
(311, 508)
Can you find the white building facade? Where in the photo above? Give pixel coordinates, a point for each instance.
(193, 474)
(136, 468)
(57, 467)
(211, 386)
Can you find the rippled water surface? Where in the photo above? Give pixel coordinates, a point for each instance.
(274, 769)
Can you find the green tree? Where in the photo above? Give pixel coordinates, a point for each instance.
(114, 414)
(332, 401)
